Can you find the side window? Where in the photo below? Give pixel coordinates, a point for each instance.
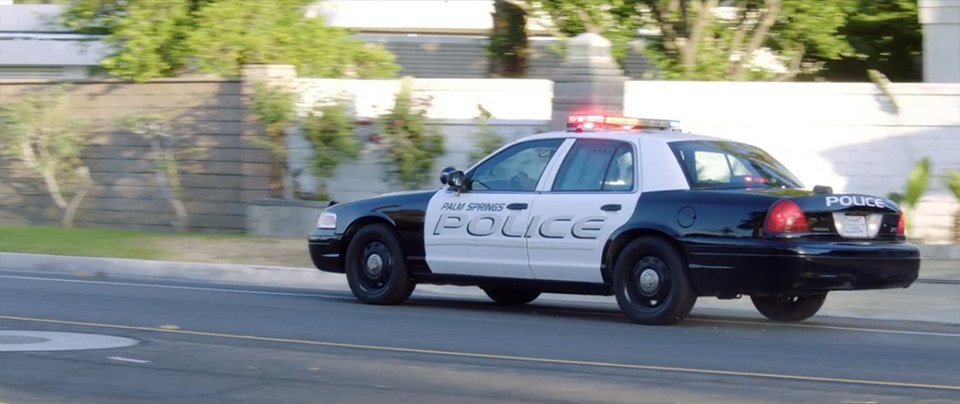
(517, 168)
(596, 165)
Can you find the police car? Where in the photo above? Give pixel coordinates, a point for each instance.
(621, 206)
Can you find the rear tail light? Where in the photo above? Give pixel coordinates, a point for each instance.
(902, 225)
(786, 217)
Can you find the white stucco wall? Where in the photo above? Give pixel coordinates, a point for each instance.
(845, 135)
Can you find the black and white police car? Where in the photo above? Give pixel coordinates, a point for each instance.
(621, 206)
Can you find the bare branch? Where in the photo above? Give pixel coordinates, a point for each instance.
(759, 36)
(794, 68)
(736, 44)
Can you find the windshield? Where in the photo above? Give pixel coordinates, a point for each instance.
(721, 164)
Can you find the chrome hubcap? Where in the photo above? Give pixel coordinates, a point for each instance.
(649, 281)
(374, 265)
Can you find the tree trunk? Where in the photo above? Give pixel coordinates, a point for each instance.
(168, 178)
(508, 42)
(85, 184)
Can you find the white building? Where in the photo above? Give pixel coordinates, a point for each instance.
(34, 45)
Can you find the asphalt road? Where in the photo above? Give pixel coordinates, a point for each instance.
(213, 343)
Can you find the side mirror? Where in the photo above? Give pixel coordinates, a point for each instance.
(456, 180)
(445, 175)
(822, 189)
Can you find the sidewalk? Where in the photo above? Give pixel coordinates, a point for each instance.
(935, 297)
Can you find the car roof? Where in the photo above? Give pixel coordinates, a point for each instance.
(655, 135)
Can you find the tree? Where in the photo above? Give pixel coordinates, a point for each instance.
(45, 138)
(167, 147)
(162, 38)
(509, 48)
(884, 35)
(697, 40)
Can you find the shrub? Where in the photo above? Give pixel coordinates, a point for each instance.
(410, 146)
(329, 129)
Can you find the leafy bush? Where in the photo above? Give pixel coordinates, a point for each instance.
(486, 139)
(276, 109)
(917, 183)
(410, 145)
(329, 129)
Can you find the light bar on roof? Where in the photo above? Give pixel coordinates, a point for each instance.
(588, 122)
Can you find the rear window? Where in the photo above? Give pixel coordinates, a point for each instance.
(719, 164)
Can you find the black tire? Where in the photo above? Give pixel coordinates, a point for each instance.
(511, 296)
(383, 280)
(789, 308)
(670, 300)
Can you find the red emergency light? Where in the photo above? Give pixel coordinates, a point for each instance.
(593, 122)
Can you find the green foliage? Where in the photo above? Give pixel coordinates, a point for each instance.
(951, 179)
(884, 35)
(45, 138)
(410, 145)
(329, 129)
(917, 182)
(486, 139)
(275, 108)
(509, 47)
(695, 42)
(160, 38)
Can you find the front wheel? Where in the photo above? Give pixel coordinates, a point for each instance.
(650, 282)
(375, 267)
(789, 308)
(511, 296)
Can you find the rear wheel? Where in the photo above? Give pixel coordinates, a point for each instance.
(789, 308)
(511, 296)
(650, 282)
(375, 267)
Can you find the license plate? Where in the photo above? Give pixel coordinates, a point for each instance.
(853, 226)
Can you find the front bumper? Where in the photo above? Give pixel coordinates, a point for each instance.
(325, 247)
(780, 266)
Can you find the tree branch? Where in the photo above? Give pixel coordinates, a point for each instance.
(536, 15)
(794, 68)
(736, 44)
(689, 50)
(759, 36)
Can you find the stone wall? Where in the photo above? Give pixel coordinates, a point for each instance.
(223, 174)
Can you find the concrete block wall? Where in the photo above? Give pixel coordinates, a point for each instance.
(225, 172)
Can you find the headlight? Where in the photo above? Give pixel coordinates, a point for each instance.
(327, 220)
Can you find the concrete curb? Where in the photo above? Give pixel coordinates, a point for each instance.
(263, 275)
(191, 271)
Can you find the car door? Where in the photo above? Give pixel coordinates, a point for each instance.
(593, 192)
(480, 231)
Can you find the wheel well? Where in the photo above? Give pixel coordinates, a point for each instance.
(613, 248)
(354, 227)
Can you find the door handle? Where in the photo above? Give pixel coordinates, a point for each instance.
(517, 206)
(613, 207)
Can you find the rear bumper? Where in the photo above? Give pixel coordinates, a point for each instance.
(771, 266)
(325, 247)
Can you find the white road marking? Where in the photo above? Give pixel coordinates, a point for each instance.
(259, 292)
(122, 359)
